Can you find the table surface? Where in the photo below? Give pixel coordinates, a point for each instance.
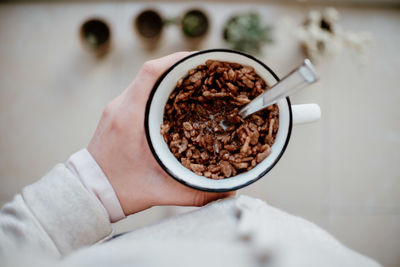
(342, 172)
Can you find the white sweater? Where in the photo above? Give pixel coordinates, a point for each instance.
(58, 222)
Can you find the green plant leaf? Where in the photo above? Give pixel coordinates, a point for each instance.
(246, 32)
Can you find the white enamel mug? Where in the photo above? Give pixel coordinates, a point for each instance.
(288, 115)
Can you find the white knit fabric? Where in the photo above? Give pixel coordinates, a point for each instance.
(84, 166)
(59, 216)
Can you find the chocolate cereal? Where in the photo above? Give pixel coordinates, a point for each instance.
(206, 95)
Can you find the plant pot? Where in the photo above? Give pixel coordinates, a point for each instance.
(95, 36)
(194, 26)
(149, 26)
(246, 32)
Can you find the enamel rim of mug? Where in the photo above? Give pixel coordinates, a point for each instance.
(166, 169)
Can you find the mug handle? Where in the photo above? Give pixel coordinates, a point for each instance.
(306, 113)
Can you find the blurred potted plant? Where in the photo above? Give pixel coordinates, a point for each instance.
(194, 26)
(95, 36)
(149, 26)
(246, 32)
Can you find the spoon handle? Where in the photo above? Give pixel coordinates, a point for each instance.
(299, 78)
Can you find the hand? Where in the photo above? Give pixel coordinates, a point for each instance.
(120, 147)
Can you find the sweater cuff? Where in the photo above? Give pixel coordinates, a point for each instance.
(70, 215)
(84, 166)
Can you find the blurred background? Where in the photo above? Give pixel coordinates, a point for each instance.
(61, 62)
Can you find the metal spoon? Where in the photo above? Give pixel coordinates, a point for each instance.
(297, 79)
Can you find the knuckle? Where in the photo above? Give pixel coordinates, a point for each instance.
(107, 111)
(111, 118)
(116, 124)
(149, 68)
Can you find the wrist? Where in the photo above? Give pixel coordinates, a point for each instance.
(85, 168)
(134, 193)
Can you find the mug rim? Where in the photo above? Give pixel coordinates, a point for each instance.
(166, 169)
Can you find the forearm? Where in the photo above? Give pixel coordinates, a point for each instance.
(57, 214)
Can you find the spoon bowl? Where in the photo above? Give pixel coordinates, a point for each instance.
(297, 79)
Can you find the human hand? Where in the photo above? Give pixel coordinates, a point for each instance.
(120, 148)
